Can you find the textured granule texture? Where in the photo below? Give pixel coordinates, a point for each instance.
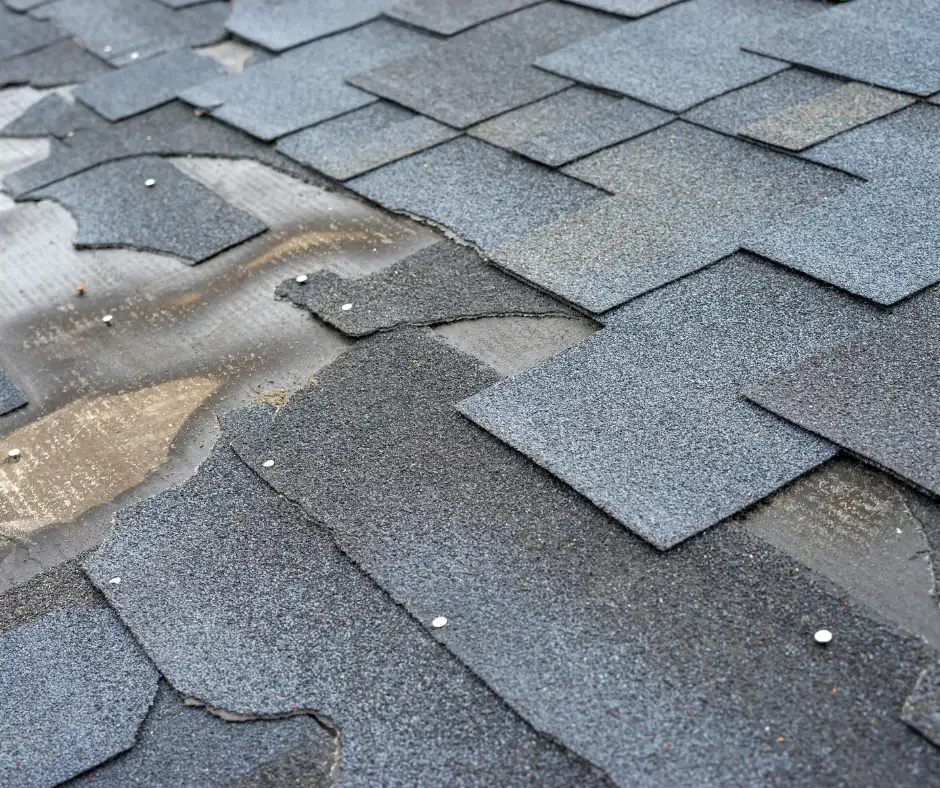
(11, 397)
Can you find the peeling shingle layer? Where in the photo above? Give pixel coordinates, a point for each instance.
(61, 63)
(451, 16)
(11, 397)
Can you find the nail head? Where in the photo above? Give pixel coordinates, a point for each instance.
(823, 636)
(439, 622)
(268, 464)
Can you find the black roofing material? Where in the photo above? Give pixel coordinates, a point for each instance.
(178, 745)
(646, 419)
(74, 689)
(363, 140)
(863, 41)
(123, 31)
(569, 125)
(281, 24)
(606, 644)
(61, 63)
(922, 707)
(682, 55)
(486, 70)
(11, 397)
(440, 284)
(686, 197)
(142, 86)
(176, 215)
(248, 605)
(447, 17)
(304, 86)
(483, 193)
(876, 396)
(20, 34)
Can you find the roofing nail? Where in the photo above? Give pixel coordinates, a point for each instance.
(439, 622)
(268, 464)
(135, 55)
(115, 581)
(107, 49)
(346, 307)
(107, 319)
(301, 279)
(13, 455)
(149, 182)
(823, 637)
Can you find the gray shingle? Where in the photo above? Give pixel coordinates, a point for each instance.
(606, 644)
(685, 198)
(24, 5)
(177, 215)
(20, 34)
(569, 125)
(862, 41)
(52, 116)
(645, 418)
(630, 8)
(876, 396)
(363, 140)
(483, 193)
(486, 70)
(142, 86)
(439, 284)
(682, 55)
(451, 16)
(922, 708)
(61, 63)
(248, 605)
(304, 86)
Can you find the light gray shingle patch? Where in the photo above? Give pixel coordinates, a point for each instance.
(178, 745)
(685, 197)
(569, 125)
(74, 690)
(877, 240)
(281, 24)
(142, 86)
(20, 34)
(606, 644)
(452, 16)
(11, 397)
(483, 193)
(363, 140)
(486, 70)
(862, 41)
(922, 708)
(440, 284)
(681, 56)
(876, 396)
(61, 63)
(906, 142)
(177, 215)
(646, 419)
(117, 30)
(248, 605)
(304, 86)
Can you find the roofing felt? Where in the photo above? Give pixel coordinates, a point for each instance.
(922, 707)
(484, 193)
(571, 619)
(287, 23)
(61, 63)
(20, 34)
(680, 448)
(876, 395)
(681, 56)
(304, 86)
(114, 206)
(685, 197)
(439, 284)
(363, 140)
(11, 397)
(142, 86)
(569, 125)
(451, 16)
(861, 40)
(407, 711)
(487, 70)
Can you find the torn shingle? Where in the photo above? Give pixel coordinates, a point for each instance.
(486, 70)
(447, 17)
(483, 193)
(569, 125)
(142, 86)
(363, 140)
(176, 215)
(607, 645)
(876, 396)
(11, 397)
(61, 63)
(645, 418)
(304, 86)
(249, 606)
(682, 55)
(685, 197)
(862, 41)
(440, 284)
(51, 116)
(281, 24)
(21, 34)
(922, 708)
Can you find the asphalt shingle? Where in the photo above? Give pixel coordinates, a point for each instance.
(176, 215)
(630, 8)
(569, 125)
(61, 63)
(304, 86)
(20, 34)
(447, 17)
(11, 397)
(52, 116)
(682, 55)
(486, 70)
(363, 140)
(483, 193)
(922, 708)
(142, 86)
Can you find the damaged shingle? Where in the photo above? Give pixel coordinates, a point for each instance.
(451, 16)
(439, 284)
(11, 397)
(51, 116)
(61, 63)
(922, 707)
(21, 34)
